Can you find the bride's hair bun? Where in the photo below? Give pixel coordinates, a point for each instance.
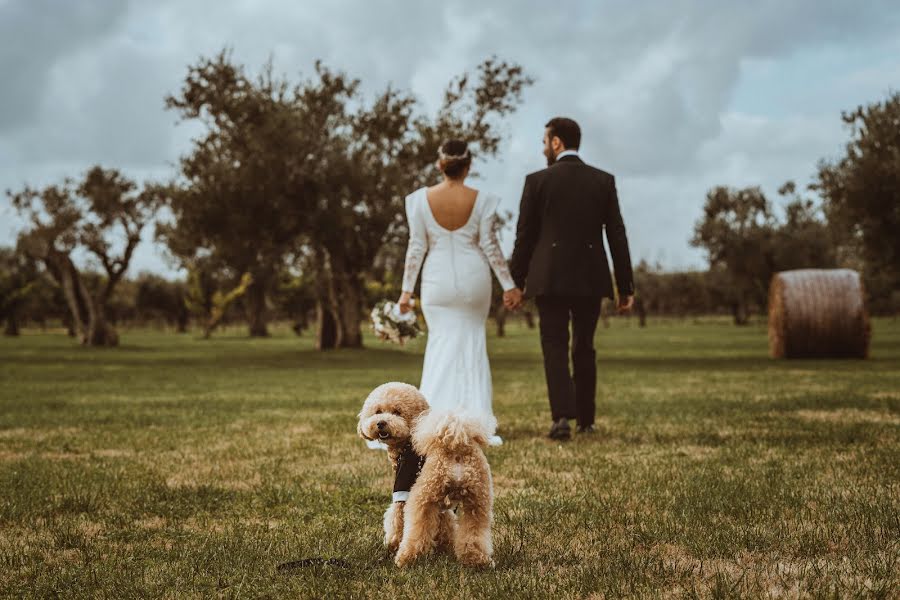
(454, 157)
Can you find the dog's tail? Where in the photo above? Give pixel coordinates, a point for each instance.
(450, 431)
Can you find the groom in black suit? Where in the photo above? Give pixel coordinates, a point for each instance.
(559, 260)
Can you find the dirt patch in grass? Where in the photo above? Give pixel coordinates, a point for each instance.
(90, 529)
(211, 475)
(37, 435)
(697, 452)
(112, 452)
(848, 415)
(152, 523)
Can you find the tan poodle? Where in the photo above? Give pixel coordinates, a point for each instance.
(388, 415)
(455, 473)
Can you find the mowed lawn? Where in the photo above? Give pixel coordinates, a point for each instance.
(177, 467)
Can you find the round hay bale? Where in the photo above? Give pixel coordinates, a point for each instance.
(818, 313)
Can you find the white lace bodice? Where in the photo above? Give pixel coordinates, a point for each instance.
(426, 235)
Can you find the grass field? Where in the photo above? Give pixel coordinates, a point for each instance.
(176, 467)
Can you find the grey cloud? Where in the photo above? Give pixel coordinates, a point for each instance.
(650, 82)
(34, 34)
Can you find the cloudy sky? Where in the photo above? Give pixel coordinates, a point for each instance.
(673, 96)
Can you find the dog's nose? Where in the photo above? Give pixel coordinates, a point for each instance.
(380, 424)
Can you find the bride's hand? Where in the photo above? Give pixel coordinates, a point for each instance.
(405, 302)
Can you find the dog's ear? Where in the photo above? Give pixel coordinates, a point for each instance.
(480, 430)
(359, 428)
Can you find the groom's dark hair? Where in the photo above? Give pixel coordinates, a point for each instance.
(567, 130)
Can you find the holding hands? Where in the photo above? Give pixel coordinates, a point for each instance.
(512, 299)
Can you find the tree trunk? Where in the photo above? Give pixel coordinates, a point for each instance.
(70, 327)
(100, 330)
(326, 327)
(256, 308)
(739, 310)
(328, 333)
(12, 326)
(349, 313)
(69, 281)
(348, 297)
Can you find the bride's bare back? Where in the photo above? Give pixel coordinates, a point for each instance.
(451, 205)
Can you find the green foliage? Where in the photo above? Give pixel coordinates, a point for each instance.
(804, 239)
(295, 299)
(747, 244)
(242, 198)
(18, 280)
(376, 291)
(313, 175)
(104, 214)
(206, 301)
(862, 193)
(221, 300)
(736, 230)
(200, 287)
(159, 298)
(683, 293)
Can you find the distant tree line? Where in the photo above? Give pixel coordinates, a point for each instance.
(298, 182)
(853, 223)
(289, 205)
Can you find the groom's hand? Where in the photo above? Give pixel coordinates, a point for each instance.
(626, 304)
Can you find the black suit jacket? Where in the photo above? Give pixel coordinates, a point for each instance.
(559, 237)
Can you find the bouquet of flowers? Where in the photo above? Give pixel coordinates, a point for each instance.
(391, 325)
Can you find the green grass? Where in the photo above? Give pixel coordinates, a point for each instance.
(176, 467)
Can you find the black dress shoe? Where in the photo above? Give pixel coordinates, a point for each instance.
(560, 430)
(585, 429)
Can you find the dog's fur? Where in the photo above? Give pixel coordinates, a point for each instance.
(397, 405)
(456, 474)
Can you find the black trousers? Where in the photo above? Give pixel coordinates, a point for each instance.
(572, 396)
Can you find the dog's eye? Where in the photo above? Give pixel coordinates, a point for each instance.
(396, 412)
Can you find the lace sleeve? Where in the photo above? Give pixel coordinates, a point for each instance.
(418, 243)
(487, 239)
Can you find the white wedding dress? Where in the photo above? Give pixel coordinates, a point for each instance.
(456, 297)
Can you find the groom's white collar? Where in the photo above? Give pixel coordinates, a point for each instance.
(567, 153)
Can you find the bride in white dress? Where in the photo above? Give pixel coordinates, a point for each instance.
(452, 240)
